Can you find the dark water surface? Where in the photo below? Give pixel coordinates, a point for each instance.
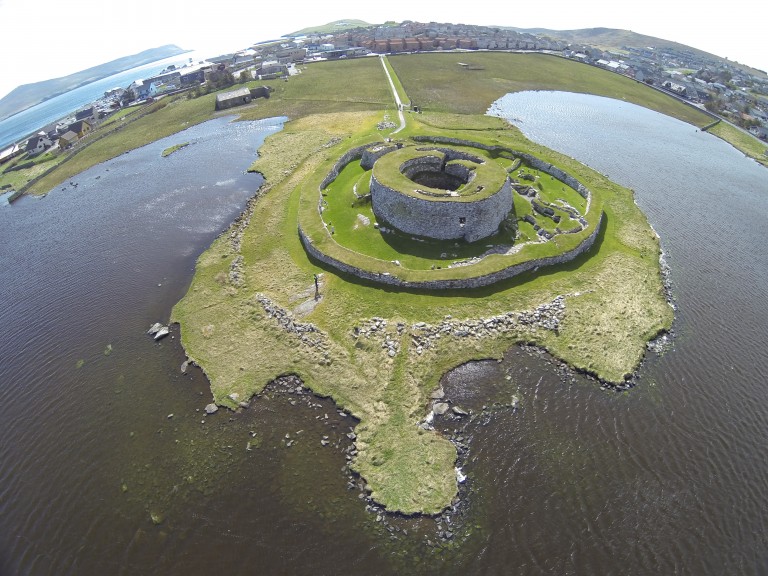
(96, 477)
(672, 477)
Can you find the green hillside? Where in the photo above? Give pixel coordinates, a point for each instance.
(331, 27)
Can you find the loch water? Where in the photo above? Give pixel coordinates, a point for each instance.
(108, 464)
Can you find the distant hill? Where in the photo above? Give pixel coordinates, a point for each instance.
(603, 37)
(330, 28)
(29, 95)
(613, 39)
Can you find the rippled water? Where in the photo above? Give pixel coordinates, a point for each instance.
(669, 477)
(672, 477)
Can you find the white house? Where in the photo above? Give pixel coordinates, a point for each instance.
(38, 144)
(143, 90)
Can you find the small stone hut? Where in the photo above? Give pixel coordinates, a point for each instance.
(234, 98)
(240, 96)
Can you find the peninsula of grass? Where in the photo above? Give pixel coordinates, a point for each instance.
(251, 315)
(170, 150)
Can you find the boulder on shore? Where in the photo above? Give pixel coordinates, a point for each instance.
(162, 333)
(155, 328)
(440, 408)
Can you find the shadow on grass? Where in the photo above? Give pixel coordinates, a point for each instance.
(485, 291)
(431, 249)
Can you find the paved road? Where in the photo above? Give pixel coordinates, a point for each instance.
(397, 98)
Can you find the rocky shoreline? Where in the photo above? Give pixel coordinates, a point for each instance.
(342, 437)
(443, 414)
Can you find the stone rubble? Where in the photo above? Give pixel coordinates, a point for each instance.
(309, 334)
(236, 271)
(546, 316)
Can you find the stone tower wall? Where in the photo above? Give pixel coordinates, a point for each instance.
(441, 219)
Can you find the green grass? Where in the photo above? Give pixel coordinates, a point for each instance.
(170, 150)
(19, 178)
(552, 190)
(326, 87)
(398, 85)
(434, 81)
(119, 115)
(746, 143)
(614, 304)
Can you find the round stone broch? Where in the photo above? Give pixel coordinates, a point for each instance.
(440, 193)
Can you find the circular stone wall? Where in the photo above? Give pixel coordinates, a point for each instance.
(478, 198)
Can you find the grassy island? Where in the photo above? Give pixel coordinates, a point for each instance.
(171, 149)
(251, 312)
(379, 350)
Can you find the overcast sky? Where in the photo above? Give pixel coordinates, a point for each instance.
(45, 39)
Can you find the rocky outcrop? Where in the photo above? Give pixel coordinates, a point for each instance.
(307, 333)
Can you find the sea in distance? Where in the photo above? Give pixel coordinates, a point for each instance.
(21, 125)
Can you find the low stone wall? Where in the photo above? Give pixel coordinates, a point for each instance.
(373, 153)
(451, 154)
(349, 156)
(555, 172)
(438, 219)
(468, 283)
(367, 154)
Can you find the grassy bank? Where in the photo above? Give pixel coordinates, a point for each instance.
(746, 143)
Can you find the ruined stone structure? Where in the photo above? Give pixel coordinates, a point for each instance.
(441, 194)
(441, 189)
